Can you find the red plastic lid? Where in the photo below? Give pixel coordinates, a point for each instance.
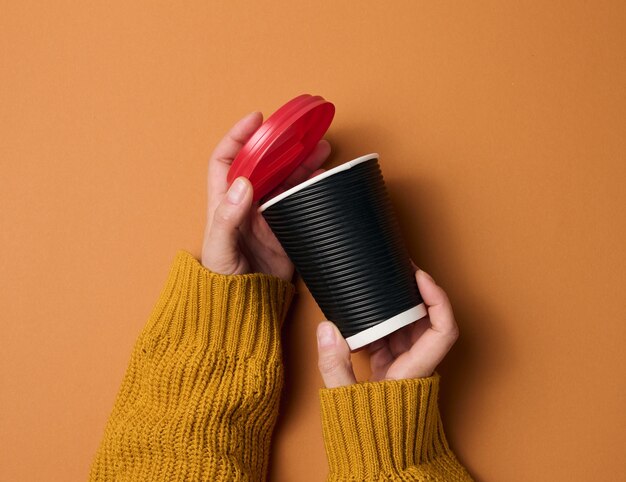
(282, 143)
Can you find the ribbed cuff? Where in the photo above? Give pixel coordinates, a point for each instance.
(237, 315)
(381, 428)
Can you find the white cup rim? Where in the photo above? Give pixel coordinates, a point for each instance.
(342, 167)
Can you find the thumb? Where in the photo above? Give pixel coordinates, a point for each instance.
(334, 360)
(223, 235)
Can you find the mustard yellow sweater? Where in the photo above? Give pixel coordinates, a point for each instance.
(200, 398)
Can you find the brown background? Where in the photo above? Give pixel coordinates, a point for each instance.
(501, 129)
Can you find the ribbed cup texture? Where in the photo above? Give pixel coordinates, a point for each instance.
(387, 431)
(200, 397)
(343, 237)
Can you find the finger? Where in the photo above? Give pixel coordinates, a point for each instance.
(227, 149)
(309, 166)
(317, 173)
(400, 341)
(222, 250)
(334, 360)
(380, 358)
(439, 308)
(423, 357)
(418, 328)
(438, 333)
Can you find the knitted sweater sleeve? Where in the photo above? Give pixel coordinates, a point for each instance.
(200, 396)
(387, 430)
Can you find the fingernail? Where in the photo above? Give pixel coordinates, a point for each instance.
(237, 191)
(325, 335)
(427, 275)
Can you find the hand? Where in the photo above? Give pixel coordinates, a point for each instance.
(237, 239)
(411, 352)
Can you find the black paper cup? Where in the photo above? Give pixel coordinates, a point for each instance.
(341, 232)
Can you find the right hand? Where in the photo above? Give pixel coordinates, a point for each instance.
(411, 352)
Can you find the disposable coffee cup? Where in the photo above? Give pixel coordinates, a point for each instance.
(341, 232)
(339, 228)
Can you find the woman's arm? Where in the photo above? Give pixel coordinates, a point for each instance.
(390, 428)
(200, 397)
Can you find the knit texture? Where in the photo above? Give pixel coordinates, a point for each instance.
(200, 397)
(387, 431)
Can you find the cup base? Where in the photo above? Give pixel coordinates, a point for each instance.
(381, 330)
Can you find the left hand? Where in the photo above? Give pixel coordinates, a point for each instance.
(237, 239)
(411, 352)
